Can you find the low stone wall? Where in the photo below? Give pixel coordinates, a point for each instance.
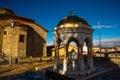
(34, 59)
(116, 61)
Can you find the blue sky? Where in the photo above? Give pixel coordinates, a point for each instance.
(49, 12)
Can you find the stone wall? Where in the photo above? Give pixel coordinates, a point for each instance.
(22, 44)
(116, 61)
(11, 42)
(1, 37)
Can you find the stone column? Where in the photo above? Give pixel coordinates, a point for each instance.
(65, 59)
(81, 57)
(90, 58)
(56, 57)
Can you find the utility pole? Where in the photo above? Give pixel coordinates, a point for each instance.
(99, 37)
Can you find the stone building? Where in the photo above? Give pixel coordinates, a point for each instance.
(21, 36)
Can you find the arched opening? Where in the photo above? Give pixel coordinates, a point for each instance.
(85, 49)
(86, 53)
(72, 49)
(72, 45)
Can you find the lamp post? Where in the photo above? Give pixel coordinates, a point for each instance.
(12, 26)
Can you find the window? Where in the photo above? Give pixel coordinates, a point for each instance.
(5, 32)
(21, 38)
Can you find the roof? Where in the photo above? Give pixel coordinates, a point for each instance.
(5, 10)
(72, 19)
(9, 14)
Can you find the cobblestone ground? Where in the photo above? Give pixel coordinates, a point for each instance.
(16, 69)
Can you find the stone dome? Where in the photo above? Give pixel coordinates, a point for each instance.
(72, 19)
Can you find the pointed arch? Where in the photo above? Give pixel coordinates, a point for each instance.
(73, 39)
(87, 40)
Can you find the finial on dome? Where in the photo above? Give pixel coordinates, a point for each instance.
(72, 13)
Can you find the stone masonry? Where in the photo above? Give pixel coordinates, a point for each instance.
(27, 38)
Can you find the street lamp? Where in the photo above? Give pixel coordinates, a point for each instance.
(12, 26)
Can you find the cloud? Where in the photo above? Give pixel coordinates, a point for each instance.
(101, 26)
(107, 42)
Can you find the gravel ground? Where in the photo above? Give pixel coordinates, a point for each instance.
(15, 69)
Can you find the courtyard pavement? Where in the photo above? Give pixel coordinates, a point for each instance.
(15, 69)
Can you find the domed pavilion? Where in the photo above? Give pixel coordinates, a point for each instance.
(73, 29)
